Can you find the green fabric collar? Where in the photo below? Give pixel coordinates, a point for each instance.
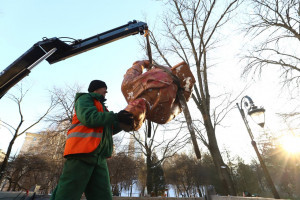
(99, 97)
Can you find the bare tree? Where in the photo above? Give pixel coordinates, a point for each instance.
(246, 177)
(27, 170)
(63, 114)
(192, 33)
(157, 148)
(123, 170)
(180, 171)
(50, 148)
(191, 177)
(19, 130)
(40, 163)
(276, 25)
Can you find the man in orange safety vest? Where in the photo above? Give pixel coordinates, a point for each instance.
(89, 142)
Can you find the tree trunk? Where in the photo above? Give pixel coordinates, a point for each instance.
(9, 186)
(14, 186)
(221, 167)
(188, 118)
(149, 182)
(5, 161)
(199, 191)
(143, 191)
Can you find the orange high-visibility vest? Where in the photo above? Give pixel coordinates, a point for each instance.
(82, 139)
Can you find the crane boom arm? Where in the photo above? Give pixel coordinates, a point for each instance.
(55, 50)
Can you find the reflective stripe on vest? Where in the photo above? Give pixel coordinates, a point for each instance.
(84, 135)
(82, 139)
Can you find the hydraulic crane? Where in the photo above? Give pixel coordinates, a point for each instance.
(55, 50)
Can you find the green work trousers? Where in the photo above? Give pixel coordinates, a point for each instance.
(84, 175)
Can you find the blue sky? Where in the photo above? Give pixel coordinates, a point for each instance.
(23, 23)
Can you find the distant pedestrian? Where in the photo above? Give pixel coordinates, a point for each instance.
(246, 194)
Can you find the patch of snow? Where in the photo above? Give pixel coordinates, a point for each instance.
(130, 95)
(178, 68)
(187, 83)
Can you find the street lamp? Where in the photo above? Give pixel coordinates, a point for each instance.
(258, 115)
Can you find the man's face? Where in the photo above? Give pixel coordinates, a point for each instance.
(101, 91)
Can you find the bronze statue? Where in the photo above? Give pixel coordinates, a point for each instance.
(152, 95)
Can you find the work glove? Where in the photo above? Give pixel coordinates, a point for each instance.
(125, 117)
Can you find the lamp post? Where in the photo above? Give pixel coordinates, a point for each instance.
(258, 115)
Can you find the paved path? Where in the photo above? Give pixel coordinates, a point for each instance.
(20, 196)
(12, 195)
